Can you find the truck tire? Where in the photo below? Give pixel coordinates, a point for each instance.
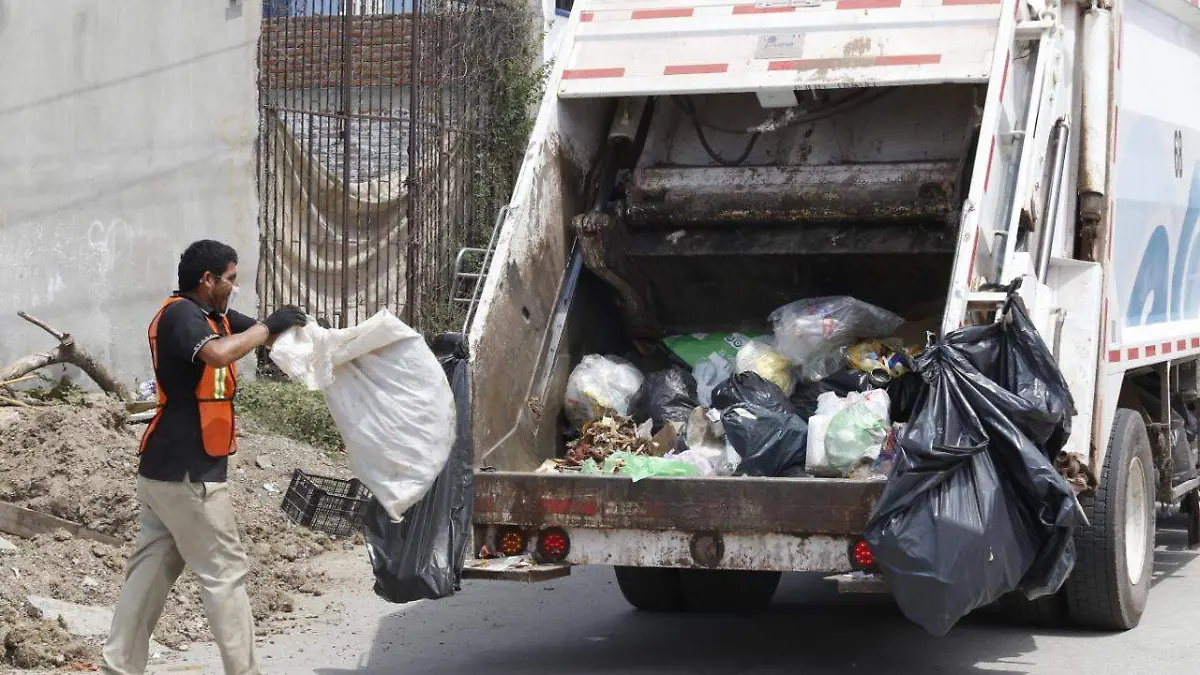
(651, 589)
(1115, 554)
(728, 590)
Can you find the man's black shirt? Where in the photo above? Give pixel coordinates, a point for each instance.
(175, 449)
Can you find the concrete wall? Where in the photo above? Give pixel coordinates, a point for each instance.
(127, 130)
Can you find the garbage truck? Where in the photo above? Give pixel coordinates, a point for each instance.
(696, 164)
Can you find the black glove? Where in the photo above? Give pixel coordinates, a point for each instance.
(284, 318)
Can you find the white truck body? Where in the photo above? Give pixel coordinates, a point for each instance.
(963, 101)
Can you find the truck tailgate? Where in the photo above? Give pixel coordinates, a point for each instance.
(808, 506)
(623, 48)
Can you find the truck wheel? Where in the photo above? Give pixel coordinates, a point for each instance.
(728, 590)
(651, 589)
(1115, 554)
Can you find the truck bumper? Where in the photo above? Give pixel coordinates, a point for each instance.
(802, 525)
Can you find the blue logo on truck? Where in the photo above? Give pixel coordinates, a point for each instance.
(1149, 213)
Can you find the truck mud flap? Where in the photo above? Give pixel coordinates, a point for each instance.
(516, 568)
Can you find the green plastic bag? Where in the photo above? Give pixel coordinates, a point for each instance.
(854, 433)
(638, 467)
(698, 347)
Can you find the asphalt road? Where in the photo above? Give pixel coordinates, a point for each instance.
(580, 625)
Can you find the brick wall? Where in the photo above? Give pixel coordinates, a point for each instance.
(307, 52)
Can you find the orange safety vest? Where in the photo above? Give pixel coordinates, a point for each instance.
(214, 394)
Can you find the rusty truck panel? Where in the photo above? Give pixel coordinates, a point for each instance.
(812, 506)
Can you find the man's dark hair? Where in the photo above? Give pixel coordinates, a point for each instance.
(203, 256)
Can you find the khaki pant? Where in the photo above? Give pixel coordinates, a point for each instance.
(193, 524)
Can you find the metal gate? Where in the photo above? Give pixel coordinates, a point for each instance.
(388, 138)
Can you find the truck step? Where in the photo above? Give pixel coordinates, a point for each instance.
(514, 568)
(861, 583)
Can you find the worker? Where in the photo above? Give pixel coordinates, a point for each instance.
(186, 513)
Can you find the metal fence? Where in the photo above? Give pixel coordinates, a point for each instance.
(389, 132)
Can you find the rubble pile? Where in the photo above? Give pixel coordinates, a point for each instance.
(79, 463)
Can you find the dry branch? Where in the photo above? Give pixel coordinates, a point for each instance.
(67, 352)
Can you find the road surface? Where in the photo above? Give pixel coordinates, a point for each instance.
(581, 626)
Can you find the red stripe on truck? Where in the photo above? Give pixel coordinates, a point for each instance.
(751, 9)
(593, 73)
(868, 4)
(987, 177)
(569, 507)
(670, 13)
(696, 69)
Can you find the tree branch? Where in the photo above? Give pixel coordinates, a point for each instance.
(67, 352)
(44, 326)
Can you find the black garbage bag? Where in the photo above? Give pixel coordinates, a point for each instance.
(666, 396)
(1012, 354)
(904, 392)
(422, 556)
(841, 383)
(974, 509)
(750, 387)
(770, 442)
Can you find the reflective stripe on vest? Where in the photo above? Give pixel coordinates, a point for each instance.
(214, 393)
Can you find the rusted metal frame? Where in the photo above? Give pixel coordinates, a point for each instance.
(749, 505)
(347, 75)
(667, 197)
(1160, 436)
(410, 271)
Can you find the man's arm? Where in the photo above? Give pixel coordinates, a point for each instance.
(190, 337)
(223, 351)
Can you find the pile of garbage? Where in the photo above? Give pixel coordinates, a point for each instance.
(824, 395)
(965, 431)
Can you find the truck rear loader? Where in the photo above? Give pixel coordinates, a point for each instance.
(695, 164)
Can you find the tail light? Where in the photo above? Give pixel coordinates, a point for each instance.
(510, 541)
(553, 545)
(862, 558)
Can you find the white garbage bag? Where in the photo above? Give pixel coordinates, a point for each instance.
(600, 384)
(388, 396)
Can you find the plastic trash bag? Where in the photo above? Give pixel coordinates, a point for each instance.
(761, 358)
(750, 388)
(973, 508)
(904, 392)
(599, 384)
(422, 556)
(697, 347)
(854, 434)
(1012, 354)
(841, 383)
(814, 333)
(843, 431)
(388, 396)
(769, 441)
(665, 396)
(640, 467)
(708, 374)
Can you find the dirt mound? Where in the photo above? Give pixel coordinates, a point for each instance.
(37, 643)
(79, 463)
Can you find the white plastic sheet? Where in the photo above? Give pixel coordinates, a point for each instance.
(388, 396)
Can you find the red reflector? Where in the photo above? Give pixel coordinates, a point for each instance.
(553, 545)
(861, 555)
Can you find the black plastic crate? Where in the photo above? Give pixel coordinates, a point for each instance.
(330, 505)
